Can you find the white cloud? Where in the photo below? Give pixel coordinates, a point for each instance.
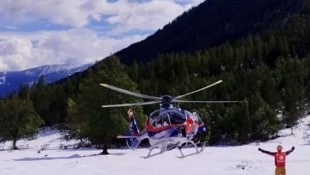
(145, 16)
(75, 13)
(78, 13)
(14, 53)
(76, 46)
(81, 42)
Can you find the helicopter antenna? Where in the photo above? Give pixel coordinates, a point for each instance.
(198, 90)
(129, 92)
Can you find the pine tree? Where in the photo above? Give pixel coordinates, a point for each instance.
(290, 78)
(134, 71)
(40, 100)
(18, 119)
(258, 47)
(88, 119)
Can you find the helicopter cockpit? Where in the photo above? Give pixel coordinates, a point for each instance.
(166, 117)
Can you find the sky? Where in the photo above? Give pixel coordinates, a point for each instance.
(35, 33)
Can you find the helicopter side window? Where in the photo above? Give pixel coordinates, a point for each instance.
(159, 123)
(156, 122)
(154, 118)
(196, 117)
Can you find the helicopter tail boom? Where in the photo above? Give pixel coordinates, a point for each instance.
(133, 141)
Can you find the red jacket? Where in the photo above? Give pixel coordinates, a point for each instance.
(279, 157)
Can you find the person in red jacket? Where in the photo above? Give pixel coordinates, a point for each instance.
(279, 158)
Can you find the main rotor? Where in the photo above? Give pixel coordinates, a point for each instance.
(164, 100)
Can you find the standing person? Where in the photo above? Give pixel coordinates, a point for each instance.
(279, 158)
(133, 127)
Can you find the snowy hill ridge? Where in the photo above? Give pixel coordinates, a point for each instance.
(215, 160)
(300, 135)
(48, 69)
(11, 80)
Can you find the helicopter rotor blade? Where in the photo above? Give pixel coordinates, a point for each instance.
(188, 101)
(129, 92)
(198, 90)
(131, 104)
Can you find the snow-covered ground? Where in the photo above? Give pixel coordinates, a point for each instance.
(237, 160)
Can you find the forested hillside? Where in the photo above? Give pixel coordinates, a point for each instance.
(260, 49)
(212, 23)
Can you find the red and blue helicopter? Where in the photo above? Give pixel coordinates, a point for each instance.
(168, 127)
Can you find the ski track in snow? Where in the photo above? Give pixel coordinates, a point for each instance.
(215, 160)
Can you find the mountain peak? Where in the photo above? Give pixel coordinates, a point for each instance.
(11, 80)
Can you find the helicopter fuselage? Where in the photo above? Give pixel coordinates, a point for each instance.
(168, 127)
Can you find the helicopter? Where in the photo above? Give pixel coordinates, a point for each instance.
(168, 127)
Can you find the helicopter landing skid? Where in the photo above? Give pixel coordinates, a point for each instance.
(151, 155)
(197, 150)
(163, 148)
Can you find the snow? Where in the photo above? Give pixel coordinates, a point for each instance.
(215, 160)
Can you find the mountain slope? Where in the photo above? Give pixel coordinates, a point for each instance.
(211, 23)
(10, 81)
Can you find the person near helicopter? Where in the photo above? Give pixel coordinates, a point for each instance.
(280, 158)
(133, 127)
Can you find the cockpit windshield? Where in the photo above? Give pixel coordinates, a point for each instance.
(163, 117)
